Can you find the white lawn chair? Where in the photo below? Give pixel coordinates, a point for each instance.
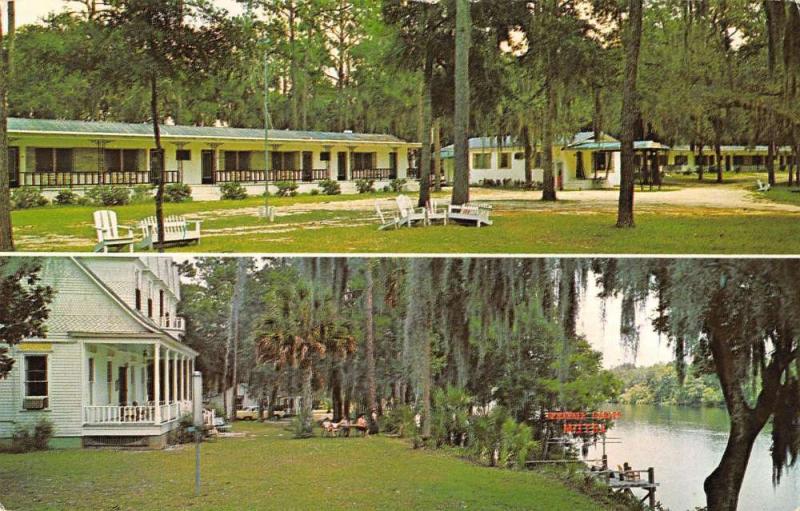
(176, 230)
(105, 223)
(409, 213)
(436, 212)
(386, 222)
(762, 187)
(477, 213)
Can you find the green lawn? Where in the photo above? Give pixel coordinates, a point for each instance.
(267, 469)
(522, 226)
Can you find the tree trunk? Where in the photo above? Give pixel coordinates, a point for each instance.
(6, 231)
(308, 397)
(723, 485)
(293, 68)
(462, 102)
(425, 153)
(369, 354)
(717, 124)
(630, 114)
(526, 143)
(336, 393)
(701, 165)
(232, 344)
(426, 388)
(437, 154)
(156, 167)
(771, 161)
(548, 177)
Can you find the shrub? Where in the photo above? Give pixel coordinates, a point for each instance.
(183, 434)
(66, 198)
(365, 185)
(450, 416)
(28, 197)
(142, 193)
(25, 440)
(398, 185)
(330, 187)
(314, 191)
(298, 426)
(233, 191)
(400, 421)
(177, 192)
(109, 195)
(286, 188)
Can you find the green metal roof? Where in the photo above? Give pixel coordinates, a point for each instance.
(110, 129)
(639, 145)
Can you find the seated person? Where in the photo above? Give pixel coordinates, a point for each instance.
(361, 425)
(328, 426)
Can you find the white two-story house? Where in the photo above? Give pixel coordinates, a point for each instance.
(112, 369)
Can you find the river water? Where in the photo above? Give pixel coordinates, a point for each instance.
(684, 445)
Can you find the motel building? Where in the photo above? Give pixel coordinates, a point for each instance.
(112, 370)
(586, 163)
(56, 154)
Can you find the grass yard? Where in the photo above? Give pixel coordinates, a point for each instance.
(267, 469)
(347, 223)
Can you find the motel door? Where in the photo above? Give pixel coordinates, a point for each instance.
(122, 381)
(341, 166)
(308, 166)
(13, 167)
(393, 165)
(207, 167)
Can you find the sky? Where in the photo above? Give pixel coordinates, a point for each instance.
(30, 11)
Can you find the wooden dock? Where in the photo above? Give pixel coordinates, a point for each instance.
(629, 480)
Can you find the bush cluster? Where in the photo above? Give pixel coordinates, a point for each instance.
(330, 187)
(365, 185)
(28, 197)
(108, 195)
(286, 188)
(23, 439)
(142, 194)
(177, 192)
(233, 191)
(398, 185)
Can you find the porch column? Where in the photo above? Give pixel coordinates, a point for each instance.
(191, 372)
(328, 166)
(157, 380)
(175, 395)
(167, 393)
(186, 380)
(181, 376)
(350, 158)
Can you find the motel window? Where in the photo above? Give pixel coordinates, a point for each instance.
(505, 161)
(519, 156)
(738, 161)
(122, 159)
(363, 161)
(53, 160)
(284, 160)
(681, 159)
(157, 158)
(237, 160)
(481, 160)
(36, 376)
(183, 155)
(325, 156)
(758, 161)
(662, 160)
(537, 161)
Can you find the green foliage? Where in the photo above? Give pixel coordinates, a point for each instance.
(314, 191)
(108, 195)
(66, 198)
(330, 187)
(301, 425)
(143, 194)
(659, 384)
(177, 192)
(496, 439)
(450, 416)
(365, 185)
(232, 191)
(25, 440)
(398, 185)
(287, 188)
(27, 197)
(399, 421)
(183, 433)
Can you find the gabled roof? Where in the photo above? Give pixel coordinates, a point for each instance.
(117, 129)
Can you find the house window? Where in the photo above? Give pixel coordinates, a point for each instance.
(284, 160)
(482, 161)
(150, 308)
(36, 376)
(363, 161)
(138, 299)
(325, 156)
(91, 381)
(183, 155)
(681, 159)
(519, 156)
(237, 160)
(122, 160)
(537, 161)
(157, 159)
(161, 302)
(53, 160)
(505, 160)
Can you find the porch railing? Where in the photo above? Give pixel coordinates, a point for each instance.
(374, 174)
(80, 178)
(272, 176)
(172, 323)
(119, 414)
(170, 412)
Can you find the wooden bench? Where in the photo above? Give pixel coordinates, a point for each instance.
(473, 213)
(176, 231)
